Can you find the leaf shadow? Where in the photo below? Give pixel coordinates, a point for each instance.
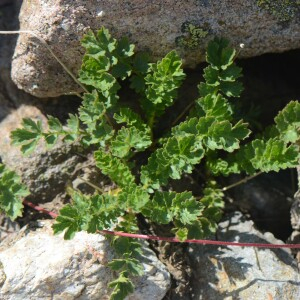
(224, 271)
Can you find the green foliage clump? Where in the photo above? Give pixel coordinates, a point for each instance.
(210, 133)
(12, 192)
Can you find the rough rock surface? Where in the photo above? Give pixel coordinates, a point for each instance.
(243, 273)
(7, 226)
(42, 266)
(156, 26)
(295, 219)
(267, 198)
(45, 172)
(8, 91)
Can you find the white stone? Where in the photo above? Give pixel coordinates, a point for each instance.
(43, 266)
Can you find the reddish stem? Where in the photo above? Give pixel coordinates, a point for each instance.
(38, 208)
(203, 242)
(174, 240)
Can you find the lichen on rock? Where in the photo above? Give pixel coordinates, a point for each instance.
(193, 35)
(284, 10)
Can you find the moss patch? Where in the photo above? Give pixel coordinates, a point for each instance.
(193, 36)
(284, 10)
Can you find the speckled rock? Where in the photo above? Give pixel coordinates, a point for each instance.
(243, 273)
(45, 172)
(267, 199)
(42, 266)
(295, 220)
(8, 90)
(156, 26)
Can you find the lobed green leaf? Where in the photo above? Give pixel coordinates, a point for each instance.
(167, 207)
(118, 171)
(130, 118)
(73, 132)
(122, 287)
(222, 135)
(124, 246)
(69, 220)
(162, 81)
(274, 155)
(177, 156)
(54, 124)
(288, 122)
(219, 166)
(213, 202)
(92, 213)
(130, 265)
(231, 89)
(100, 43)
(133, 198)
(92, 114)
(230, 74)
(128, 138)
(12, 192)
(28, 136)
(219, 54)
(215, 106)
(104, 211)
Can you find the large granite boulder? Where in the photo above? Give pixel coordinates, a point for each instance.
(42, 266)
(155, 26)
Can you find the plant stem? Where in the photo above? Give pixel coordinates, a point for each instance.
(240, 182)
(58, 60)
(109, 121)
(92, 185)
(183, 113)
(239, 51)
(50, 50)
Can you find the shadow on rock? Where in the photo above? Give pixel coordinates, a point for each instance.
(243, 272)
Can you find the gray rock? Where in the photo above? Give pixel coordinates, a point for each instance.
(156, 26)
(45, 172)
(8, 90)
(243, 273)
(295, 212)
(42, 266)
(4, 105)
(7, 227)
(295, 220)
(7, 44)
(267, 199)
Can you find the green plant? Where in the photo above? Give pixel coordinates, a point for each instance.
(210, 133)
(12, 192)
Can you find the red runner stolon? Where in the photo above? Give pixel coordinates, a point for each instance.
(174, 240)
